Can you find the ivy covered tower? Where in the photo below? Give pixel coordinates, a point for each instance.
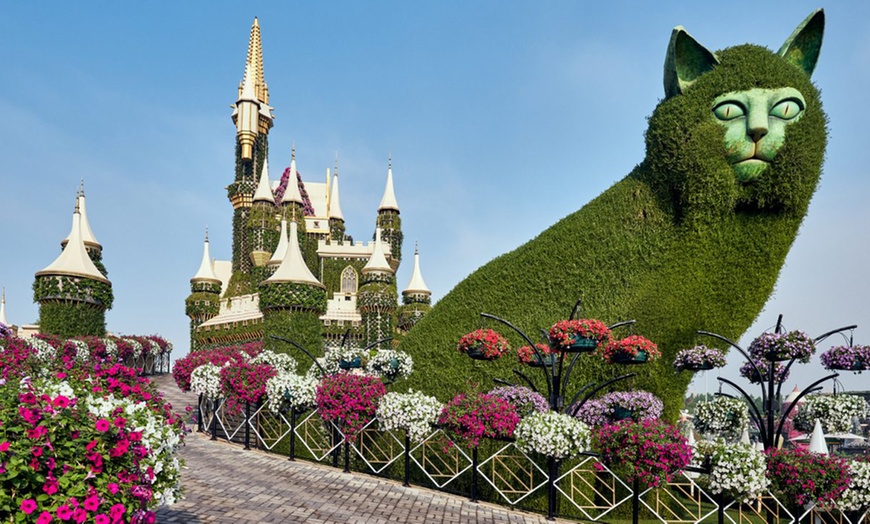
(292, 300)
(389, 222)
(205, 290)
(416, 298)
(377, 295)
(336, 217)
(252, 116)
(72, 292)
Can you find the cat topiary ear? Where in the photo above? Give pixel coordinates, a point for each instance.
(803, 46)
(685, 61)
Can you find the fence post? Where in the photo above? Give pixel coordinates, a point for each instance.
(199, 414)
(407, 481)
(552, 473)
(247, 425)
(635, 500)
(474, 474)
(215, 403)
(292, 434)
(346, 455)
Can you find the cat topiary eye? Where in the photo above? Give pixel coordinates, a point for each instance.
(787, 109)
(728, 111)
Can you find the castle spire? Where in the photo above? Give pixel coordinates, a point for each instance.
(264, 189)
(378, 261)
(74, 259)
(389, 199)
(416, 285)
(251, 112)
(283, 243)
(334, 201)
(206, 270)
(293, 267)
(291, 193)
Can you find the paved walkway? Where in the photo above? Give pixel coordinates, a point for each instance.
(223, 484)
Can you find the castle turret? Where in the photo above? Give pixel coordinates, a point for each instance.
(253, 118)
(377, 295)
(3, 308)
(389, 221)
(203, 302)
(92, 246)
(416, 298)
(292, 204)
(263, 221)
(73, 294)
(292, 300)
(336, 217)
(281, 250)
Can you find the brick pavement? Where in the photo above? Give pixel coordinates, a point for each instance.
(224, 483)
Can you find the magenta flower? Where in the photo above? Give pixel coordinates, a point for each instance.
(102, 425)
(44, 518)
(28, 506)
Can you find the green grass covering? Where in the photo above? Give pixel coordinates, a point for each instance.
(678, 244)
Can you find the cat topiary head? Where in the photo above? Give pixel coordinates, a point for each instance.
(740, 129)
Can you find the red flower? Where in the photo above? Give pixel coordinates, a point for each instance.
(489, 341)
(562, 333)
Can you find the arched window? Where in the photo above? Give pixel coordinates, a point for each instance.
(348, 280)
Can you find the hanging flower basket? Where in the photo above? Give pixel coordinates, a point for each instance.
(620, 405)
(633, 349)
(778, 347)
(469, 418)
(835, 412)
(652, 451)
(483, 344)
(723, 416)
(699, 358)
(578, 336)
(543, 357)
(780, 373)
(846, 358)
(351, 363)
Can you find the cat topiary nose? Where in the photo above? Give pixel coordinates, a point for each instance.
(757, 125)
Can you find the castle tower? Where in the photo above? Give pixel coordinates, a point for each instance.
(416, 298)
(263, 221)
(3, 308)
(73, 294)
(253, 118)
(205, 290)
(292, 205)
(292, 300)
(389, 221)
(377, 295)
(336, 217)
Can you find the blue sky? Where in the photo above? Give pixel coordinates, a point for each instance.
(501, 118)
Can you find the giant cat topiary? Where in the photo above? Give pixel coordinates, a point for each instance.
(693, 238)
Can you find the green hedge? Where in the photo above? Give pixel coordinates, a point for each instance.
(676, 245)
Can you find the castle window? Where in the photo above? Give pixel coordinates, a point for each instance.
(349, 280)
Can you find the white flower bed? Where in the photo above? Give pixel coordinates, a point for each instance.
(738, 470)
(390, 364)
(45, 352)
(723, 416)
(835, 412)
(206, 380)
(413, 411)
(282, 362)
(292, 390)
(552, 434)
(857, 495)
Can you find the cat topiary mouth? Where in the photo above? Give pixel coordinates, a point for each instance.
(749, 169)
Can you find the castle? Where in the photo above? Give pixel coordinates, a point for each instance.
(294, 272)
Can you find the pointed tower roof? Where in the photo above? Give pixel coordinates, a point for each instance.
(291, 192)
(87, 234)
(293, 268)
(253, 86)
(206, 270)
(389, 199)
(264, 189)
(74, 259)
(334, 202)
(378, 261)
(3, 308)
(417, 285)
(281, 250)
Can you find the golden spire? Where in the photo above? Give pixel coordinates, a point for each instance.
(254, 66)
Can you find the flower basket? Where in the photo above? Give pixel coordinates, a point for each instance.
(523, 399)
(846, 358)
(803, 477)
(652, 451)
(620, 405)
(412, 412)
(699, 358)
(390, 365)
(722, 416)
(553, 435)
(349, 400)
(351, 363)
(483, 344)
(835, 412)
(472, 417)
(577, 336)
(779, 347)
(633, 349)
(780, 373)
(543, 357)
(736, 470)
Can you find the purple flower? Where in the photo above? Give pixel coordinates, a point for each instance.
(698, 356)
(640, 405)
(783, 346)
(524, 399)
(779, 371)
(855, 358)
